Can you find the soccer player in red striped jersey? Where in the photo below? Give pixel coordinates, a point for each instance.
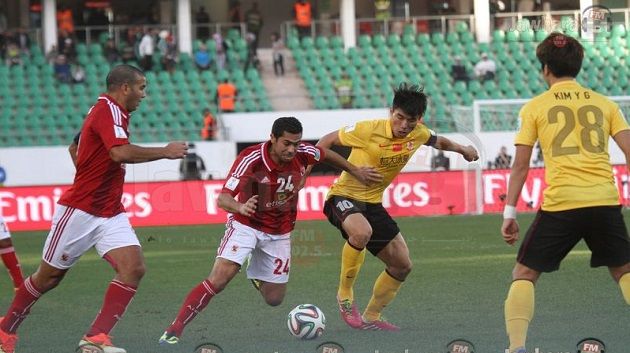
(265, 180)
(7, 253)
(90, 214)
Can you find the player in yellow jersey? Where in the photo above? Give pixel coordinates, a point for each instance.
(357, 210)
(573, 125)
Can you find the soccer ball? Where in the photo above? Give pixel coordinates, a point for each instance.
(306, 322)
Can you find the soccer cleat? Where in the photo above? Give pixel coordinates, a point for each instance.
(519, 350)
(378, 325)
(101, 341)
(256, 283)
(168, 338)
(349, 313)
(7, 341)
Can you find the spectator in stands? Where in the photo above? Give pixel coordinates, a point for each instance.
(203, 58)
(145, 50)
(485, 68)
(66, 45)
(203, 21)
(303, 15)
(3, 45)
(344, 91)
(78, 73)
(65, 20)
(3, 20)
(220, 50)
(458, 71)
(503, 160)
(226, 96)
(13, 55)
(252, 58)
(23, 41)
(234, 13)
(191, 166)
(97, 18)
(254, 22)
(168, 50)
(208, 130)
(440, 162)
(62, 69)
(110, 51)
(277, 52)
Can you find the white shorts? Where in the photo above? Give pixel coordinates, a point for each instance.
(74, 232)
(270, 254)
(4, 229)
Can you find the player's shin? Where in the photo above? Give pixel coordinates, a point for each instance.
(25, 297)
(624, 284)
(351, 261)
(117, 298)
(519, 310)
(195, 302)
(385, 289)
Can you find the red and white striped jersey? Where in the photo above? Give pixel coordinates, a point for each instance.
(255, 173)
(98, 183)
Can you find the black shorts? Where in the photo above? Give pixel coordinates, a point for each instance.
(384, 228)
(553, 234)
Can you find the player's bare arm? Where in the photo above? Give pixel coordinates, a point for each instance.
(366, 175)
(468, 152)
(137, 154)
(72, 149)
(622, 139)
(520, 168)
(228, 203)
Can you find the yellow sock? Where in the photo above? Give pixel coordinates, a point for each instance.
(385, 289)
(351, 261)
(519, 310)
(624, 283)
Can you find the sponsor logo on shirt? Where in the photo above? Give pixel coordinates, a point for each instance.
(394, 161)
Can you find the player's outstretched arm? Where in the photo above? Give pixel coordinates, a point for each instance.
(138, 154)
(228, 203)
(518, 175)
(325, 142)
(468, 152)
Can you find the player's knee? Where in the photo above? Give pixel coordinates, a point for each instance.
(274, 300)
(360, 237)
(401, 271)
(6, 243)
(132, 273)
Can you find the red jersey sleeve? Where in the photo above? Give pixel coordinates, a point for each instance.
(110, 127)
(311, 154)
(240, 172)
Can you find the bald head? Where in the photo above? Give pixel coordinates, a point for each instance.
(122, 74)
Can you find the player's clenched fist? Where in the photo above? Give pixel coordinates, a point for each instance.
(470, 153)
(176, 150)
(248, 208)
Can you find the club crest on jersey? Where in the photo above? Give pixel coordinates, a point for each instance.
(409, 145)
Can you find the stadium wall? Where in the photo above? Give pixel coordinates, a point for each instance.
(194, 202)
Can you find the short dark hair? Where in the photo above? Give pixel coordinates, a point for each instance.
(411, 99)
(562, 54)
(122, 74)
(288, 124)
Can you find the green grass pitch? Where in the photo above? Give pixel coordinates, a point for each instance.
(462, 270)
